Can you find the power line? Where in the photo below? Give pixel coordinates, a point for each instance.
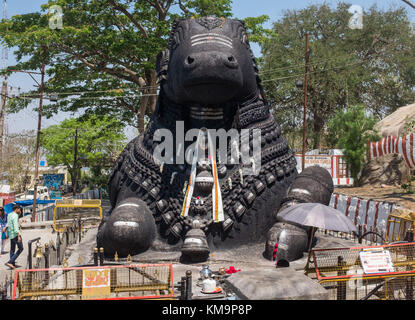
(318, 71)
(299, 66)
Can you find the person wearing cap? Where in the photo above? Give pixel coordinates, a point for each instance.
(15, 235)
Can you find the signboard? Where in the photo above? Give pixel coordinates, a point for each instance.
(55, 194)
(321, 161)
(376, 261)
(52, 180)
(96, 283)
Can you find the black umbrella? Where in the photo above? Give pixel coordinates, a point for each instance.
(317, 215)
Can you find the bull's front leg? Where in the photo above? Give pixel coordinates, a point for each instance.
(286, 241)
(130, 229)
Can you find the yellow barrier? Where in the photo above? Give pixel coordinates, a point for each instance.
(399, 222)
(374, 272)
(393, 286)
(151, 281)
(74, 203)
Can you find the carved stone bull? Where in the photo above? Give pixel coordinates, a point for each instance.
(208, 80)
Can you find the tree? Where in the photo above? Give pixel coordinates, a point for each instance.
(353, 129)
(374, 65)
(106, 49)
(92, 142)
(19, 158)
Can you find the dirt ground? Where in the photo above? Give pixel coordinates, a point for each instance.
(386, 193)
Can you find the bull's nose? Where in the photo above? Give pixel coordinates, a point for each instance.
(231, 62)
(210, 59)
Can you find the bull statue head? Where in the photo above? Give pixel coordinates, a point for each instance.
(208, 62)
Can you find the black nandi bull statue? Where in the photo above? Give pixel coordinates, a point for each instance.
(208, 80)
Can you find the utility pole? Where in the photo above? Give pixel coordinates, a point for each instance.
(305, 101)
(39, 127)
(3, 65)
(2, 116)
(75, 164)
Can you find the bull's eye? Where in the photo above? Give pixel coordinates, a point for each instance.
(176, 41)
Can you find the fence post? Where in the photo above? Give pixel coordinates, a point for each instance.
(46, 255)
(183, 289)
(95, 256)
(189, 285)
(58, 249)
(29, 254)
(79, 228)
(341, 285)
(101, 256)
(67, 237)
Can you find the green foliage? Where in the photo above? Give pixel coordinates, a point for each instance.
(373, 66)
(407, 187)
(106, 50)
(409, 126)
(99, 141)
(352, 130)
(200, 8)
(19, 155)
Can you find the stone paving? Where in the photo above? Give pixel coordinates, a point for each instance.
(46, 234)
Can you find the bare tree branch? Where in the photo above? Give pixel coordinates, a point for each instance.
(183, 8)
(118, 72)
(409, 3)
(129, 16)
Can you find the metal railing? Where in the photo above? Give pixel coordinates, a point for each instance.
(150, 281)
(340, 271)
(369, 236)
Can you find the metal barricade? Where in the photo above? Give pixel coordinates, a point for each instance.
(67, 210)
(340, 271)
(151, 281)
(400, 221)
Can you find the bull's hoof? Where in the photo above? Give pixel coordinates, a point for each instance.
(285, 243)
(130, 229)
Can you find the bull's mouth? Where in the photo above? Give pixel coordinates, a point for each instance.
(211, 91)
(231, 83)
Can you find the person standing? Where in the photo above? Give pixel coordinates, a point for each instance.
(3, 229)
(15, 235)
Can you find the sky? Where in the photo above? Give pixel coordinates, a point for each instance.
(27, 119)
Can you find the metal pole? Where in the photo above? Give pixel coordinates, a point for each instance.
(2, 115)
(75, 165)
(95, 256)
(58, 249)
(183, 289)
(79, 228)
(101, 256)
(189, 285)
(341, 285)
(305, 102)
(39, 127)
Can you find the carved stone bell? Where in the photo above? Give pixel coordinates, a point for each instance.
(195, 246)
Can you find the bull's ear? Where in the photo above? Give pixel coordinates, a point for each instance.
(162, 65)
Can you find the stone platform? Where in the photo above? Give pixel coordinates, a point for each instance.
(259, 279)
